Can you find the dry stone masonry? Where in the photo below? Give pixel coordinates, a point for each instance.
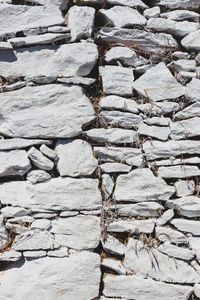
(100, 149)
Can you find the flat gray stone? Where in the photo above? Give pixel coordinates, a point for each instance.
(178, 171)
(192, 41)
(183, 65)
(139, 288)
(107, 185)
(47, 111)
(41, 224)
(161, 133)
(158, 149)
(141, 185)
(75, 158)
(38, 176)
(80, 21)
(178, 29)
(175, 251)
(10, 256)
(114, 168)
(131, 3)
(34, 254)
(165, 217)
(189, 112)
(113, 245)
(55, 194)
(39, 160)
(121, 16)
(158, 84)
(58, 60)
(12, 87)
(160, 121)
(182, 4)
(117, 80)
(186, 206)
(189, 226)
(112, 135)
(159, 108)
(184, 188)
(54, 277)
(131, 156)
(132, 226)
(5, 46)
(79, 232)
(192, 90)
(116, 102)
(152, 12)
(48, 152)
(13, 211)
(77, 80)
(14, 162)
(4, 237)
(62, 252)
(167, 234)
(62, 4)
(139, 261)
(120, 119)
(185, 128)
(113, 265)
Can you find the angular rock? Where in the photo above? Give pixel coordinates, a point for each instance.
(112, 135)
(48, 152)
(114, 168)
(192, 41)
(158, 84)
(139, 288)
(175, 251)
(117, 80)
(189, 112)
(119, 16)
(47, 111)
(62, 4)
(79, 232)
(39, 160)
(107, 185)
(55, 194)
(117, 102)
(197, 290)
(120, 119)
(167, 234)
(184, 188)
(10, 256)
(77, 80)
(113, 245)
(188, 226)
(58, 60)
(178, 29)
(5, 46)
(75, 158)
(141, 185)
(185, 128)
(143, 209)
(41, 224)
(178, 171)
(125, 55)
(14, 162)
(160, 121)
(80, 21)
(58, 29)
(113, 265)
(62, 252)
(183, 65)
(12, 212)
(131, 156)
(132, 226)
(12, 87)
(165, 217)
(152, 12)
(34, 254)
(4, 238)
(38, 176)
(54, 277)
(182, 4)
(159, 108)
(139, 261)
(160, 133)
(192, 91)
(131, 3)
(157, 149)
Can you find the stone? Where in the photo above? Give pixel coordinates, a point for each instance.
(114, 168)
(131, 156)
(120, 119)
(113, 246)
(75, 158)
(41, 224)
(12, 212)
(117, 80)
(89, 2)
(107, 185)
(125, 55)
(111, 135)
(33, 17)
(151, 263)
(179, 4)
(194, 243)
(42, 39)
(189, 226)
(77, 80)
(161, 133)
(143, 40)
(71, 110)
(185, 128)
(141, 185)
(132, 226)
(197, 290)
(192, 90)
(165, 217)
(191, 41)
(175, 251)
(158, 149)
(178, 161)
(39, 160)
(48, 152)
(14, 162)
(178, 29)
(189, 112)
(4, 237)
(139, 288)
(55, 194)
(79, 232)
(184, 188)
(159, 108)
(160, 121)
(62, 252)
(152, 12)
(62, 4)
(96, 212)
(178, 171)
(38, 176)
(167, 234)
(121, 16)
(58, 60)
(45, 215)
(31, 81)
(116, 102)
(197, 59)
(34, 254)
(158, 84)
(131, 3)
(10, 256)
(69, 213)
(180, 54)
(5, 46)
(54, 277)
(24, 220)
(80, 21)
(143, 209)
(183, 65)
(35, 240)
(58, 29)
(12, 87)
(113, 265)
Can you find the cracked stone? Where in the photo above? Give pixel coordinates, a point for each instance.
(167, 234)
(39, 160)
(132, 226)
(120, 119)
(188, 226)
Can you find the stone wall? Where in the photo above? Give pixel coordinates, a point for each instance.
(99, 149)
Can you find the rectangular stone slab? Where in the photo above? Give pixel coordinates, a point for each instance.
(46, 111)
